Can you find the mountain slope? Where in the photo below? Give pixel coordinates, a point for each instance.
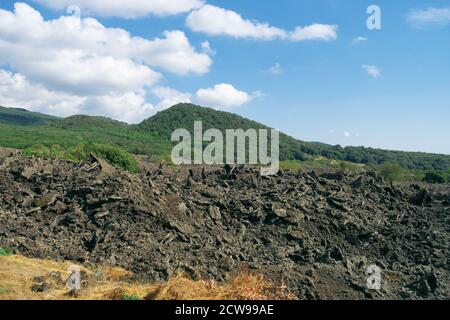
(23, 117)
(37, 129)
(184, 115)
(22, 129)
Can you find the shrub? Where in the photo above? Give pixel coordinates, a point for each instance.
(113, 155)
(435, 177)
(391, 172)
(80, 152)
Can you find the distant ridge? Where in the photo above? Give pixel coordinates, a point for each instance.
(85, 121)
(183, 116)
(21, 129)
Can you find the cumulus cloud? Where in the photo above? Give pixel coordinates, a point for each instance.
(86, 64)
(125, 9)
(129, 107)
(169, 97)
(81, 72)
(40, 40)
(315, 31)
(172, 53)
(372, 71)
(431, 17)
(16, 91)
(216, 21)
(223, 96)
(213, 20)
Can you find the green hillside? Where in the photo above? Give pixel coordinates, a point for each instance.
(184, 115)
(23, 129)
(89, 122)
(23, 117)
(73, 131)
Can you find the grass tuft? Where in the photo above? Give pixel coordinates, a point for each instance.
(131, 297)
(5, 252)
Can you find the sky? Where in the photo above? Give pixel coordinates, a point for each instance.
(312, 69)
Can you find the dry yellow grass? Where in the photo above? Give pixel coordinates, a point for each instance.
(18, 274)
(244, 286)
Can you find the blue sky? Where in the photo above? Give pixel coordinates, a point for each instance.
(313, 89)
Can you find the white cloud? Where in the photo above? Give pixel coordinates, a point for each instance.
(347, 134)
(217, 21)
(84, 73)
(87, 65)
(276, 69)
(16, 91)
(372, 71)
(72, 36)
(315, 31)
(125, 9)
(223, 96)
(129, 107)
(170, 97)
(430, 17)
(172, 53)
(360, 39)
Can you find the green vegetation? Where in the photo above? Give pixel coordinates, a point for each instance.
(320, 163)
(47, 136)
(114, 155)
(131, 297)
(293, 165)
(23, 117)
(184, 115)
(5, 252)
(134, 141)
(437, 176)
(393, 172)
(89, 122)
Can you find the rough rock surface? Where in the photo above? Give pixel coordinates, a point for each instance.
(317, 232)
